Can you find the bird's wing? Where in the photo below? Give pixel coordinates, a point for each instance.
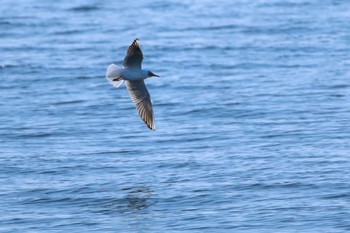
(134, 56)
(142, 100)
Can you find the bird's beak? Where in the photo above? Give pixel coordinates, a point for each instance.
(155, 75)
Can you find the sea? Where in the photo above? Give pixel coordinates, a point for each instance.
(252, 109)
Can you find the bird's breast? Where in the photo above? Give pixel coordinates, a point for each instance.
(134, 74)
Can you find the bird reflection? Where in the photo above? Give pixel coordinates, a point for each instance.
(139, 198)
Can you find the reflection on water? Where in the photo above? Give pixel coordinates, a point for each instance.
(133, 200)
(139, 198)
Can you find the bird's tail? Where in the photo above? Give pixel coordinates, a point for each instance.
(114, 75)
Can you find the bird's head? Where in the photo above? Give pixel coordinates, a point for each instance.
(151, 74)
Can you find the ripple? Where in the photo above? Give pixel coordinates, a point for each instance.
(85, 8)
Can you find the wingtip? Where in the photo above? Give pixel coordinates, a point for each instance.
(137, 42)
(152, 127)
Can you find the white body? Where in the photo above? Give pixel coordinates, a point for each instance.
(133, 74)
(116, 75)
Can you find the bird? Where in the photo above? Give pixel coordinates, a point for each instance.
(134, 76)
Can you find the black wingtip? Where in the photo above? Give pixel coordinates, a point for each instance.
(150, 127)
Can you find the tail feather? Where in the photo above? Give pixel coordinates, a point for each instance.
(114, 75)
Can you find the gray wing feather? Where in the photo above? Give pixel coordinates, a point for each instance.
(134, 55)
(142, 100)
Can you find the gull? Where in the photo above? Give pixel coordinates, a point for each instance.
(134, 76)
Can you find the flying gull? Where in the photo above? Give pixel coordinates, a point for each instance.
(134, 76)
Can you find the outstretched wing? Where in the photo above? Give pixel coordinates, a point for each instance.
(142, 100)
(134, 56)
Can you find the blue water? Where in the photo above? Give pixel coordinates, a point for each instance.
(252, 112)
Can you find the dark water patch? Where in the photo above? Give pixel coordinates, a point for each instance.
(4, 22)
(85, 8)
(121, 151)
(339, 86)
(69, 102)
(212, 28)
(281, 30)
(289, 186)
(337, 196)
(286, 4)
(24, 135)
(337, 95)
(83, 77)
(161, 5)
(9, 66)
(68, 32)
